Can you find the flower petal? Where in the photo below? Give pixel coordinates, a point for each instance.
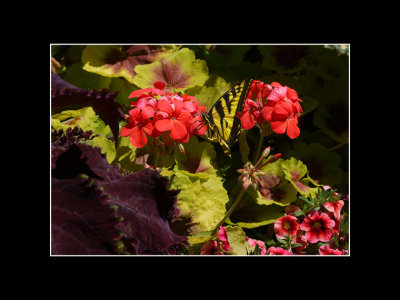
(178, 130)
(165, 106)
(138, 137)
(279, 127)
(293, 131)
(164, 124)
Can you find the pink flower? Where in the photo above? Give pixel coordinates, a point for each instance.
(318, 227)
(222, 236)
(334, 207)
(326, 250)
(260, 244)
(277, 251)
(286, 225)
(299, 239)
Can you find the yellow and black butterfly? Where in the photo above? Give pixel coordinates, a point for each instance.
(222, 123)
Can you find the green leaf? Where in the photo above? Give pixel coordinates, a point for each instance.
(78, 77)
(84, 118)
(120, 61)
(294, 171)
(198, 157)
(179, 71)
(237, 240)
(250, 214)
(202, 196)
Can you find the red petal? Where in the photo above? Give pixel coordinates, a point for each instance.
(247, 120)
(164, 124)
(279, 127)
(165, 106)
(293, 131)
(138, 137)
(178, 131)
(127, 129)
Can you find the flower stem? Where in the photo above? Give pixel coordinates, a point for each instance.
(237, 200)
(258, 149)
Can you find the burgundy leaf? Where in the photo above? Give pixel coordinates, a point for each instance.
(81, 223)
(142, 199)
(147, 208)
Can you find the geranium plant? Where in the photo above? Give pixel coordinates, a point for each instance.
(134, 171)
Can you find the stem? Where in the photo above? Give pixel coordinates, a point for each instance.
(237, 200)
(258, 148)
(337, 146)
(156, 160)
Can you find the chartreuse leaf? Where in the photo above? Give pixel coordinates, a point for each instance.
(294, 171)
(120, 61)
(237, 240)
(124, 89)
(125, 156)
(250, 214)
(179, 71)
(84, 118)
(209, 93)
(197, 159)
(203, 197)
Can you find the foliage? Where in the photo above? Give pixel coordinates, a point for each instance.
(135, 172)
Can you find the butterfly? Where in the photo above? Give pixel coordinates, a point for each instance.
(222, 123)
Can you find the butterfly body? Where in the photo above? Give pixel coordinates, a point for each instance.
(222, 123)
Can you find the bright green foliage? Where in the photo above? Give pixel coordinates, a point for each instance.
(294, 171)
(197, 159)
(237, 240)
(179, 71)
(202, 198)
(120, 61)
(85, 118)
(250, 214)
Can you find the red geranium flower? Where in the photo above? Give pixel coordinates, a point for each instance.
(286, 225)
(137, 128)
(318, 227)
(177, 121)
(283, 119)
(277, 251)
(222, 236)
(250, 114)
(326, 250)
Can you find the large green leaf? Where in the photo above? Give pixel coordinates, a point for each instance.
(120, 61)
(179, 71)
(201, 197)
(237, 240)
(250, 214)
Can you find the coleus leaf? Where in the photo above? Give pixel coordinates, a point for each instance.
(81, 222)
(120, 61)
(179, 71)
(141, 200)
(66, 96)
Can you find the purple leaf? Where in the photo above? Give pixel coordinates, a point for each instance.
(81, 224)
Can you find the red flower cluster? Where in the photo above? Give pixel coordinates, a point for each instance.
(158, 112)
(272, 103)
